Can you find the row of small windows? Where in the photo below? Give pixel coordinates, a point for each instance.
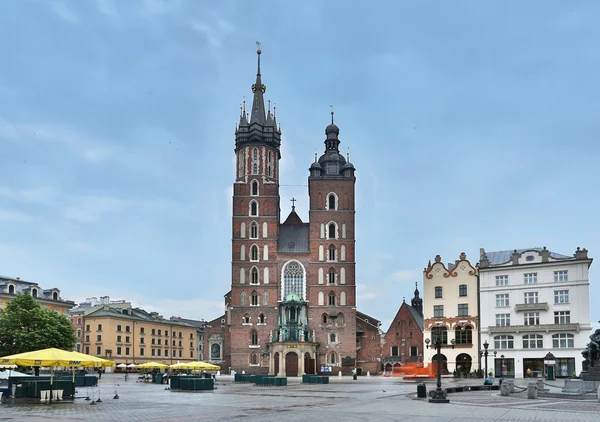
(462, 291)
(463, 310)
(535, 341)
(254, 298)
(332, 299)
(254, 276)
(33, 292)
(154, 352)
(462, 335)
(337, 320)
(253, 232)
(330, 230)
(532, 278)
(246, 319)
(560, 296)
(332, 276)
(533, 318)
(254, 253)
(332, 253)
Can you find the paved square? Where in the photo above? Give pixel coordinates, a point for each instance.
(373, 398)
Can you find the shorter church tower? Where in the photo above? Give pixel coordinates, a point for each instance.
(332, 288)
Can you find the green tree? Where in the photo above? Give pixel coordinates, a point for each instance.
(25, 326)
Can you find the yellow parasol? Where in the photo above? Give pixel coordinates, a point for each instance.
(196, 365)
(53, 357)
(152, 365)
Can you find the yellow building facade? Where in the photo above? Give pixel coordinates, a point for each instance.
(451, 303)
(136, 336)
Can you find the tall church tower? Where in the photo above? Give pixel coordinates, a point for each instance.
(292, 305)
(255, 226)
(332, 288)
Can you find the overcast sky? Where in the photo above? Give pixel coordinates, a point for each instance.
(471, 124)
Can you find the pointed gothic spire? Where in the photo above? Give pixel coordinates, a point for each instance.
(258, 103)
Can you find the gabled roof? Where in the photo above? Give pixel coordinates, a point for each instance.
(368, 319)
(414, 314)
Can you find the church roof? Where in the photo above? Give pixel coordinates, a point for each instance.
(293, 218)
(293, 238)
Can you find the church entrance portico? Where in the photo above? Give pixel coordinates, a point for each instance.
(291, 364)
(290, 359)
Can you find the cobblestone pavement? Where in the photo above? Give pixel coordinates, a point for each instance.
(374, 398)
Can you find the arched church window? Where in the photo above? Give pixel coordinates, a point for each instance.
(215, 352)
(324, 319)
(254, 209)
(243, 298)
(331, 201)
(293, 279)
(253, 359)
(332, 358)
(331, 231)
(254, 187)
(254, 230)
(265, 298)
(255, 161)
(254, 276)
(254, 253)
(254, 299)
(246, 319)
(331, 299)
(254, 338)
(331, 252)
(261, 318)
(331, 276)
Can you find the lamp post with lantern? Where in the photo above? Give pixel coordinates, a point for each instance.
(438, 395)
(484, 353)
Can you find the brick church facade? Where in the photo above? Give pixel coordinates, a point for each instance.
(292, 305)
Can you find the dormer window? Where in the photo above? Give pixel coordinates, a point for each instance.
(34, 292)
(11, 290)
(54, 295)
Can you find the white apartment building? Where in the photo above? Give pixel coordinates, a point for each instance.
(534, 306)
(450, 302)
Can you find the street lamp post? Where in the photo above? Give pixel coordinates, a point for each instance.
(438, 395)
(485, 354)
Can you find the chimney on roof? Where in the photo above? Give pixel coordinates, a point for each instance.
(481, 252)
(515, 257)
(545, 254)
(581, 253)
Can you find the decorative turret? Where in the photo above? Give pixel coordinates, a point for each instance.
(260, 127)
(332, 164)
(416, 301)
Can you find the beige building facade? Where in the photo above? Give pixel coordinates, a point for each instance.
(451, 302)
(136, 336)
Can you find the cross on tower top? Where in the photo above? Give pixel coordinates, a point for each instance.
(293, 200)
